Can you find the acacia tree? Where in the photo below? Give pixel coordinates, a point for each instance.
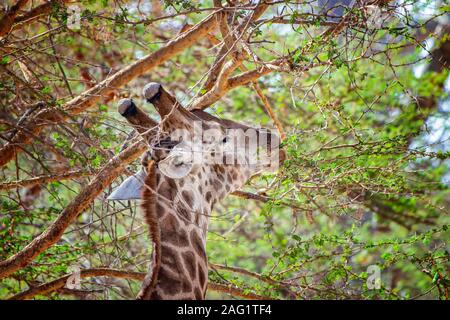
(355, 88)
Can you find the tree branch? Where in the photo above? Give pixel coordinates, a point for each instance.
(216, 83)
(86, 273)
(43, 179)
(8, 18)
(59, 283)
(33, 14)
(269, 110)
(54, 232)
(242, 79)
(93, 95)
(235, 291)
(229, 41)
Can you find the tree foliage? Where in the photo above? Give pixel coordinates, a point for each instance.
(358, 87)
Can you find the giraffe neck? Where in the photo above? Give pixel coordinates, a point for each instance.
(179, 267)
(178, 217)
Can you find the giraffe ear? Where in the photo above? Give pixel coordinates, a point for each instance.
(130, 189)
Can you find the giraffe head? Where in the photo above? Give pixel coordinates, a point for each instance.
(197, 146)
(197, 160)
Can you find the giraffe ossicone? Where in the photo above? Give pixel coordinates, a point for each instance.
(194, 160)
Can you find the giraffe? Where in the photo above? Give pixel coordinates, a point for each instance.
(179, 192)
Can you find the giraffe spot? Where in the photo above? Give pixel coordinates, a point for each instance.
(167, 283)
(188, 197)
(158, 178)
(218, 169)
(186, 286)
(208, 196)
(201, 275)
(172, 183)
(198, 294)
(171, 259)
(185, 214)
(172, 233)
(189, 263)
(155, 296)
(171, 284)
(235, 176)
(197, 244)
(200, 189)
(229, 177)
(197, 219)
(217, 184)
(160, 210)
(166, 191)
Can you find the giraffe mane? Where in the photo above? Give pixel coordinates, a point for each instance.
(148, 206)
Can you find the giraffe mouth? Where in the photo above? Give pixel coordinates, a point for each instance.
(178, 163)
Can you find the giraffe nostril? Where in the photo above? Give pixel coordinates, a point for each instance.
(151, 91)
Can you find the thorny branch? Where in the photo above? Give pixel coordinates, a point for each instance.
(55, 285)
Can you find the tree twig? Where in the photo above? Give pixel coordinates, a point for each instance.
(54, 232)
(43, 179)
(8, 18)
(59, 283)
